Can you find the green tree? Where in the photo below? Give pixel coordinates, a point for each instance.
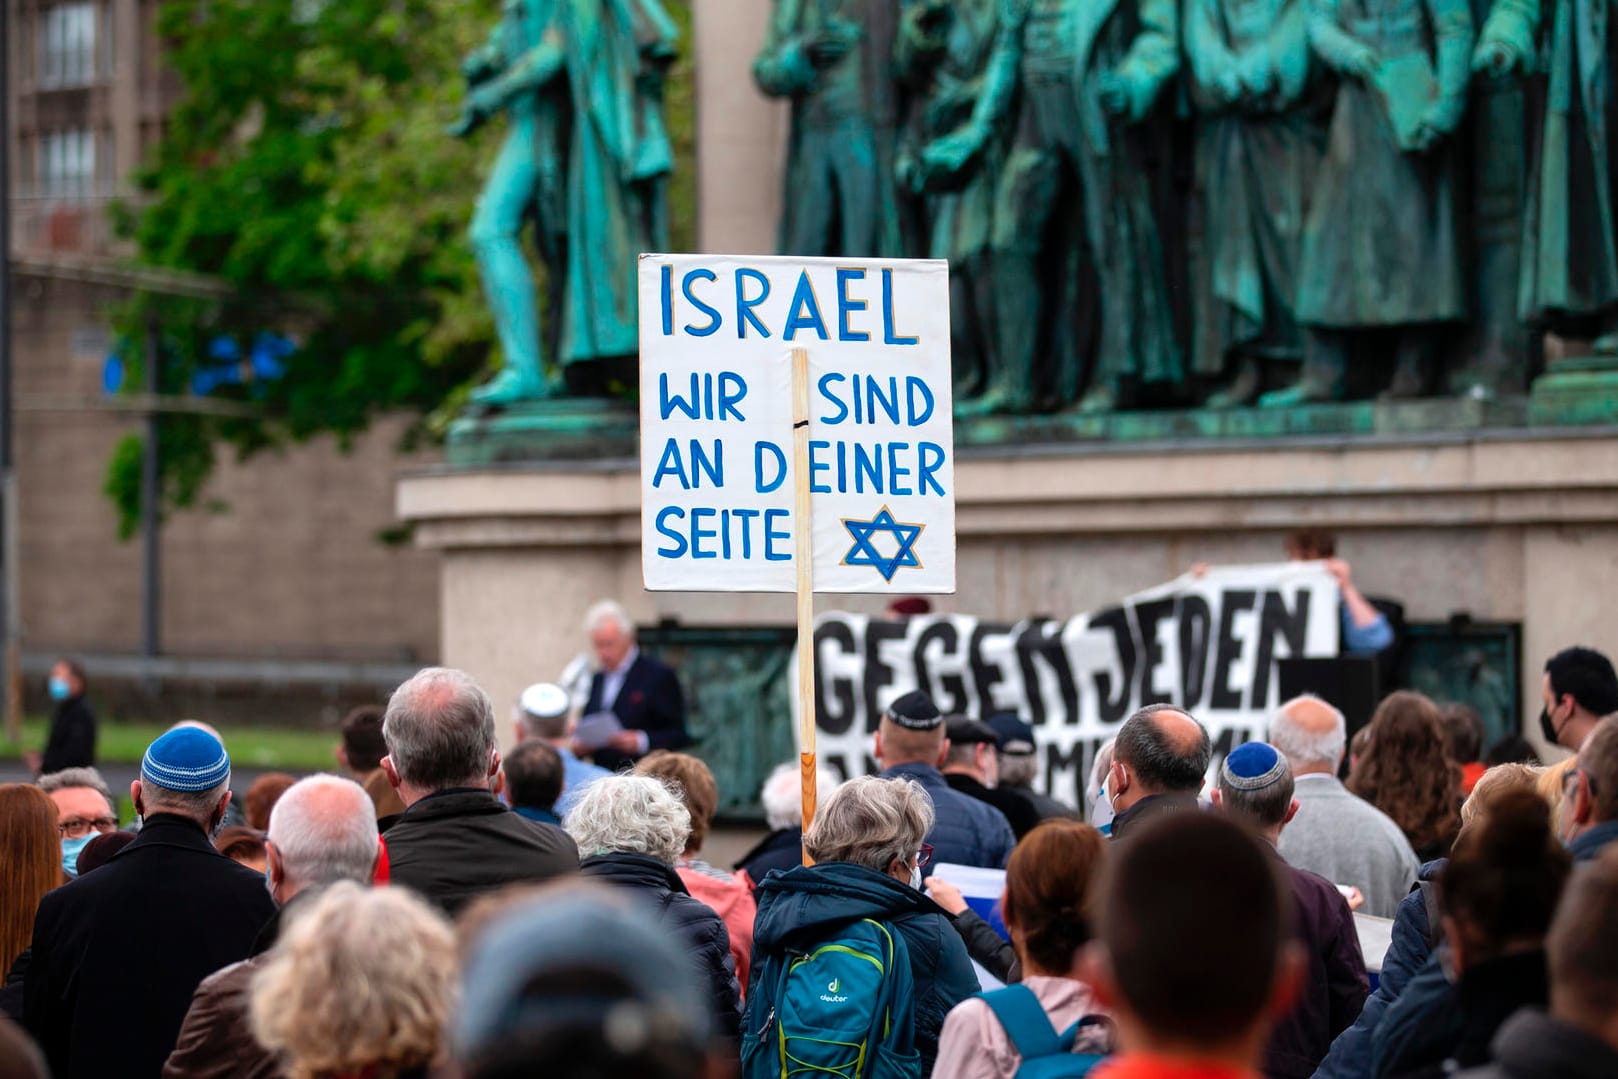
(308, 169)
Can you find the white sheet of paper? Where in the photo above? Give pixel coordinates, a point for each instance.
(596, 729)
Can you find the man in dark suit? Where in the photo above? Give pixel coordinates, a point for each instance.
(118, 952)
(644, 694)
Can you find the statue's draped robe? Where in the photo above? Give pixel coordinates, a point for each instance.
(1256, 164)
(1570, 234)
(1380, 248)
(840, 194)
(945, 79)
(618, 166)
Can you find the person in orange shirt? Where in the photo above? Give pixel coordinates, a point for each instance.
(1195, 958)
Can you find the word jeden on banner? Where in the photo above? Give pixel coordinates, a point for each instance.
(717, 335)
(1208, 644)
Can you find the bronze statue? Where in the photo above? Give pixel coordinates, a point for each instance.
(1258, 147)
(943, 54)
(1570, 236)
(1087, 72)
(1380, 249)
(834, 60)
(587, 156)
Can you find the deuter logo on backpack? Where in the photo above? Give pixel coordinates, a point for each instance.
(843, 1007)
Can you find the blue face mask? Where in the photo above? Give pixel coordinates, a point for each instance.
(60, 688)
(70, 852)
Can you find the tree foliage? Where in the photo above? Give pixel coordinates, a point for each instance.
(307, 168)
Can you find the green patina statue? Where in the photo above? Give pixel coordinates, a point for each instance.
(1382, 264)
(834, 59)
(587, 157)
(943, 54)
(1259, 141)
(1073, 209)
(1569, 277)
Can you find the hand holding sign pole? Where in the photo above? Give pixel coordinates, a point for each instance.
(851, 358)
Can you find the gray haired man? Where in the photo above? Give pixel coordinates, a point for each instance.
(323, 830)
(455, 840)
(1342, 837)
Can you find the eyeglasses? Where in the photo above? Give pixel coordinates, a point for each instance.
(78, 828)
(924, 856)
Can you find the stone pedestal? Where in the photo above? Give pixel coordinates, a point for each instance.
(1507, 526)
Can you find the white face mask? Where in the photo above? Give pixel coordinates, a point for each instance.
(915, 877)
(1101, 811)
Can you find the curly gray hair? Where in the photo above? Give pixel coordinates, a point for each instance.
(871, 821)
(630, 814)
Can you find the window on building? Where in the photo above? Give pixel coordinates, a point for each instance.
(67, 55)
(67, 164)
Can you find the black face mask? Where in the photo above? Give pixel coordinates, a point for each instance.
(1547, 728)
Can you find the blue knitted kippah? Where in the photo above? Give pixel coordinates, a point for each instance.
(186, 759)
(1252, 766)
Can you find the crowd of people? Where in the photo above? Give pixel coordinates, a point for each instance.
(445, 909)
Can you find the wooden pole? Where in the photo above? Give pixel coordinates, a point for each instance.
(804, 558)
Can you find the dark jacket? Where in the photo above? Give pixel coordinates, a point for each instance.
(810, 903)
(1153, 805)
(1533, 1045)
(1435, 1027)
(72, 739)
(782, 849)
(703, 930)
(1336, 987)
(216, 1041)
(1415, 935)
(650, 700)
(1044, 805)
(456, 845)
(118, 952)
(965, 830)
(987, 948)
(1594, 841)
(1018, 811)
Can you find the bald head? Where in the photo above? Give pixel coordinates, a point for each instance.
(1310, 734)
(1165, 750)
(323, 830)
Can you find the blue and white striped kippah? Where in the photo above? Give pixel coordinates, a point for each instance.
(1252, 766)
(186, 759)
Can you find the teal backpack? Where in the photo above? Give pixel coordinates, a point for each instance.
(1045, 1053)
(842, 1008)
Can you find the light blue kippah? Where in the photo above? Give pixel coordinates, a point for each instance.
(1252, 766)
(187, 759)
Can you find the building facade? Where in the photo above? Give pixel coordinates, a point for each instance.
(280, 579)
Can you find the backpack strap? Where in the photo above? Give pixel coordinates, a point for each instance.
(1071, 1034)
(1025, 1021)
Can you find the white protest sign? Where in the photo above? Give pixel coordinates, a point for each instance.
(717, 335)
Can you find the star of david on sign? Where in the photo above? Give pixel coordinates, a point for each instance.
(865, 552)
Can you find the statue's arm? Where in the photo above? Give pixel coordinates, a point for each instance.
(1154, 56)
(1288, 46)
(528, 72)
(1452, 37)
(1211, 64)
(1507, 38)
(783, 67)
(952, 153)
(1336, 47)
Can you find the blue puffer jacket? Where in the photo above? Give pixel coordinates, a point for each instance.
(1414, 935)
(802, 906)
(965, 830)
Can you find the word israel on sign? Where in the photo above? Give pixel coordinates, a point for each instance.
(717, 337)
(1206, 643)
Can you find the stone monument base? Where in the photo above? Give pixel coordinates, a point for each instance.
(1505, 525)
